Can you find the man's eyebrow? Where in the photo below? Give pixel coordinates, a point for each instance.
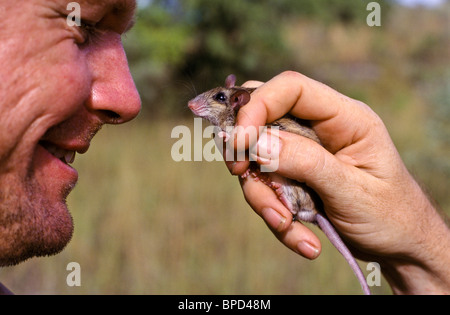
(124, 5)
(128, 8)
(121, 5)
(118, 7)
(125, 9)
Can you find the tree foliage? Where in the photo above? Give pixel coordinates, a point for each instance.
(203, 41)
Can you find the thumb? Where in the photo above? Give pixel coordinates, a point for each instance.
(298, 158)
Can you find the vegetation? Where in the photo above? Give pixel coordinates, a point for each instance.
(146, 224)
(197, 41)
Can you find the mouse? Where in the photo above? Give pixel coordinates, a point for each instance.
(220, 106)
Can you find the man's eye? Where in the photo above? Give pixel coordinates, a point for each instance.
(90, 32)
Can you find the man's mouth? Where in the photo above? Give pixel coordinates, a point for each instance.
(65, 156)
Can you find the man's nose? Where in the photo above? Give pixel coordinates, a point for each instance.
(114, 96)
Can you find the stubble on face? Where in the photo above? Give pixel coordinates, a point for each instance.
(31, 226)
(34, 219)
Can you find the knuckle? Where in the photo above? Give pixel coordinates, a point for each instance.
(289, 74)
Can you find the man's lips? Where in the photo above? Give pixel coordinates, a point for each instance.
(65, 152)
(66, 156)
(53, 174)
(55, 153)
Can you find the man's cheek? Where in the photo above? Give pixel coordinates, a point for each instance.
(20, 112)
(41, 101)
(68, 90)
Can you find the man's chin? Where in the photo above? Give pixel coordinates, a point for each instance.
(38, 230)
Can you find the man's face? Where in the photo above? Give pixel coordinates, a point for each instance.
(58, 85)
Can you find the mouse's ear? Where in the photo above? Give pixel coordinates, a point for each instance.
(230, 82)
(239, 99)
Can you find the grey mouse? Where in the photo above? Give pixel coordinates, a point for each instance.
(220, 106)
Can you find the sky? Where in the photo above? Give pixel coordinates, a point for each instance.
(428, 3)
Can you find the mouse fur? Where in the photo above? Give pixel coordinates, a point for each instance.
(220, 107)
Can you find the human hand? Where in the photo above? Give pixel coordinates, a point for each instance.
(368, 193)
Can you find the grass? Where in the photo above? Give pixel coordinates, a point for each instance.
(147, 225)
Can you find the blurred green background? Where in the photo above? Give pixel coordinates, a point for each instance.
(145, 224)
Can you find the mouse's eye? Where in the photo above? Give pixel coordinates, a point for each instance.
(220, 97)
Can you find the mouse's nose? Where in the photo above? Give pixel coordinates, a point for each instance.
(194, 106)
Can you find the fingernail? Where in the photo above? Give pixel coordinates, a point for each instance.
(268, 150)
(275, 220)
(260, 160)
(307, 249)
(269, 146)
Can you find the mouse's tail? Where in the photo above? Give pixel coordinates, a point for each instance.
(336, 240)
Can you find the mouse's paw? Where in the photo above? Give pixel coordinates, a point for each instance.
(281, 194)
(225, 136)
(253, 172)
(246, 174)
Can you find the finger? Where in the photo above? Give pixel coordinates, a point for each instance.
(236, 164)
(239, 167)
(293, 93)
(301, 159)
(294, 235)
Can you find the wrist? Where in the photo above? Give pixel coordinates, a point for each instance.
(410, 278)
(424, 270)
